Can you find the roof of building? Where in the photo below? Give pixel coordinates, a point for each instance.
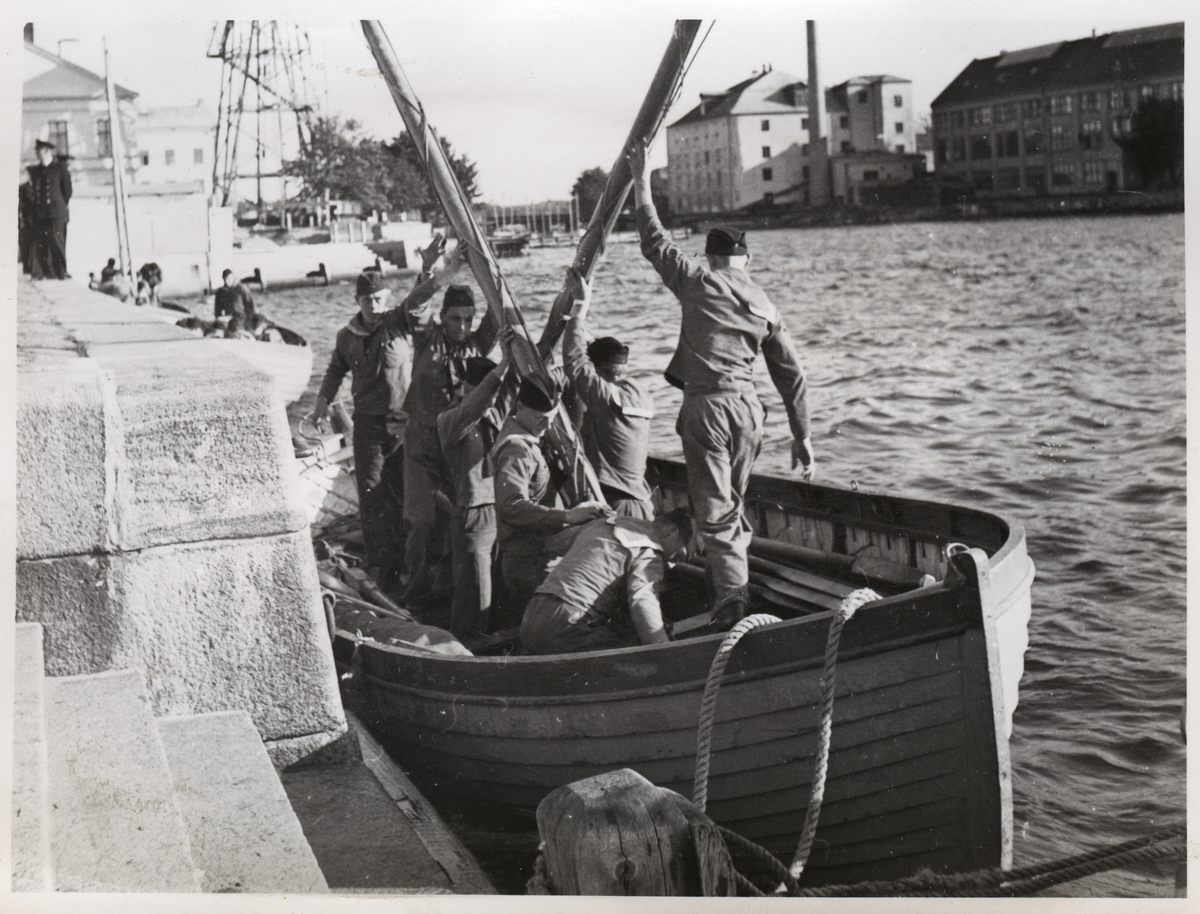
(837, 98)
(66, 80)
(190, 117)
(1147, 53)
(771, 92)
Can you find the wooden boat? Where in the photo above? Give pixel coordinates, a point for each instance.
(927, 680)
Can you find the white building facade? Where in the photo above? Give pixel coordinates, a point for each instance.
(175, 145)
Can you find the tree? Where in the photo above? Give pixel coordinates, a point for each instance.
(379, 176)
(1154, 146)
(588, 189)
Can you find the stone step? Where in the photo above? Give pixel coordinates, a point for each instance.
(244, 835)
(114, 822)
(32, 869)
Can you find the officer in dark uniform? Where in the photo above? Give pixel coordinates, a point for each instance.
(50, 184)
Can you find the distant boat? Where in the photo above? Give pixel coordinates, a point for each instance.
(506, 243)
(927, 678)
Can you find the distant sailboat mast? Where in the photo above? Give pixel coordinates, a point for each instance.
(117, 150)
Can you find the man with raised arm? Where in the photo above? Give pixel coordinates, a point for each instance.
(375, 348)
(604, 592)
(466, 433)
(526, 500)
(726, 320)
(439, 365)
(616, 424)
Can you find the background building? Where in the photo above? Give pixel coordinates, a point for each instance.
(175, 145)
(750, 144)
(1046, 119)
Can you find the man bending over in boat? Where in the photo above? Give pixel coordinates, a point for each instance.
(466, 433)
(375, 348)
(525, 496)
(604, 593)
(726, 321)
(616, 424)
(439, 365)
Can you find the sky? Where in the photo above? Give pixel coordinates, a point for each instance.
(535, 93)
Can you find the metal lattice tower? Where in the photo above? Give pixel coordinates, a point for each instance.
(266, 109)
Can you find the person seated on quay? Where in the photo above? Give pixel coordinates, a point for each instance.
(441, 351)
(149, 278)
(618, 410)
(234, 301)
(726, 321)
(604, 592)
(375, 348)
(109, 270)
(526, 511)
(466, 432)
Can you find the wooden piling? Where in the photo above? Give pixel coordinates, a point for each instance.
(618, 834)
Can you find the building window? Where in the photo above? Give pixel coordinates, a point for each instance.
(804, 173)
(899, 149)
(981, 116)
(1060, 104)
(1091, 134)
(899, 127)
(861, 97)
(1089, 101)
(982, 180)
(706, 157)
(804, 149)
(940, 121)
(870, 176)
(957, 119)
(769, 199)
(1065, 175)
(766, 125)
(1033, 141)
(766, 152)
(803, 123)
(1116, 99)
(198, 156)
(1035, 178)
(959, 148)
(170, 156)
(939, 153)
(103, 138)
(845, 145)
(58, 136)
(844, 121)
(145, 158)
(898, 101)
(1031, 108)
(981, 147)
(1146, 92)
(1007, 145)
(1061, 139)
(1093, 172)
(718, 157)
(1006, 113)
(766, 174)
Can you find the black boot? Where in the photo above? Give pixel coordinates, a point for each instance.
(729, 612)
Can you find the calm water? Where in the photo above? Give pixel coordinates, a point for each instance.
(1030, 367)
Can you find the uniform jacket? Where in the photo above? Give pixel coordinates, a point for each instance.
(616, 425)
(439, 367)
(525, 498)
(379, 361)
(613, 567)
(727, 320)
(50, 190)
(238, 302)
(466, 434)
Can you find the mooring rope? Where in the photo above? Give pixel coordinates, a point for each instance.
(708, 705)
(847, 608)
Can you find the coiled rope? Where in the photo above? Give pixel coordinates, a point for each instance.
(708, 706)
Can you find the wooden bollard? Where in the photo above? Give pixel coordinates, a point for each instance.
(618, 834)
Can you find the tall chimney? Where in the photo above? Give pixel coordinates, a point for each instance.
(29, 33)
(818, 150)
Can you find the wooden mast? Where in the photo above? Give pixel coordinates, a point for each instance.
(579, 480)
(117, 149)
(649, 118)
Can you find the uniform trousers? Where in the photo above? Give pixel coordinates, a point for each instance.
(48, 249)
(379, 475)
(422, 479)
(626, 505)
(722, 435)
(472, 546)
(546, 628)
